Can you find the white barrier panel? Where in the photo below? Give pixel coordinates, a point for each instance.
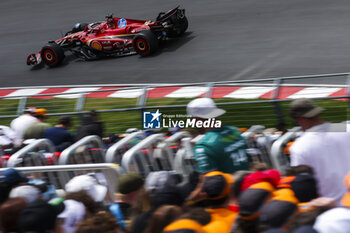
(135, 160)
(110, 173)
(70, 155)
(114, 153)
(178, 136)
(278, 158)
(259, 144)
(39, 145)
(183, 162)
(164, 155)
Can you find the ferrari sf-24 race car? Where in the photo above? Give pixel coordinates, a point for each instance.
(113, 37)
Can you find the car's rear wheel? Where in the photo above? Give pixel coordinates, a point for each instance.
(180, 26)
(52, 54)
(145, 43)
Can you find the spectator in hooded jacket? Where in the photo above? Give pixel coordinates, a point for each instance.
(90, 125)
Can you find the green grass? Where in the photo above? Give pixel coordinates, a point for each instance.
(242, 115)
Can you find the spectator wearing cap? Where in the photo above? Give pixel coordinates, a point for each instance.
(39, 216)
(36, 130)
(279, 210)
(9, 212)
(215, 188)
(271, 176)
(22, 122)
(89, 184)
(157, 180)
(222, 149)
(250, 202)
(304, 187)
(9, 179)
(59, 134)
(28, 192)
(185, 226)
(192, 221)
(90, 125)
(128, 189)
(336, 220)
(322, 147)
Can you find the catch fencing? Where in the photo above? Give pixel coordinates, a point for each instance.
(248, 102)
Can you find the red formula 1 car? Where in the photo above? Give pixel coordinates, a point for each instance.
(113, 37)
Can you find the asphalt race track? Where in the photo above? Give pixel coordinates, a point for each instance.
(226, 40)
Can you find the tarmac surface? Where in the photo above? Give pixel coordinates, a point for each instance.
(226, 40)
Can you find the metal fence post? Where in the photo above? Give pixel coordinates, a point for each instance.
(141, 103)
(277, 106)
(21, 105)
(80, 103)
(210, 90)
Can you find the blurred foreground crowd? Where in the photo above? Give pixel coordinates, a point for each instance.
(260, 200)
(227, 193)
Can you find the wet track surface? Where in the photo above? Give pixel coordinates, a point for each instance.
(226, 40)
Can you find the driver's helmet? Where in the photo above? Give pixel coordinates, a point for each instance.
(78, 27)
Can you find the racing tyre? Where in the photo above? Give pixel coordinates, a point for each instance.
(145, 43)
(52, 54)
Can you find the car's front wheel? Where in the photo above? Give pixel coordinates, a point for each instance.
(52, 54)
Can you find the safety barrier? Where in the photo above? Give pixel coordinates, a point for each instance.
(115, 152)
(278, 157)
(178, 136)
(267, 98)
(89, 149)
(140, 157)
(259, 144)
(110, 173)
(183, 162)
(164, 153)
(33, 154)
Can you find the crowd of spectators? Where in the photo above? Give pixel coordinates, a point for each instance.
(32, 125)
(227, 193)
(247, 201)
